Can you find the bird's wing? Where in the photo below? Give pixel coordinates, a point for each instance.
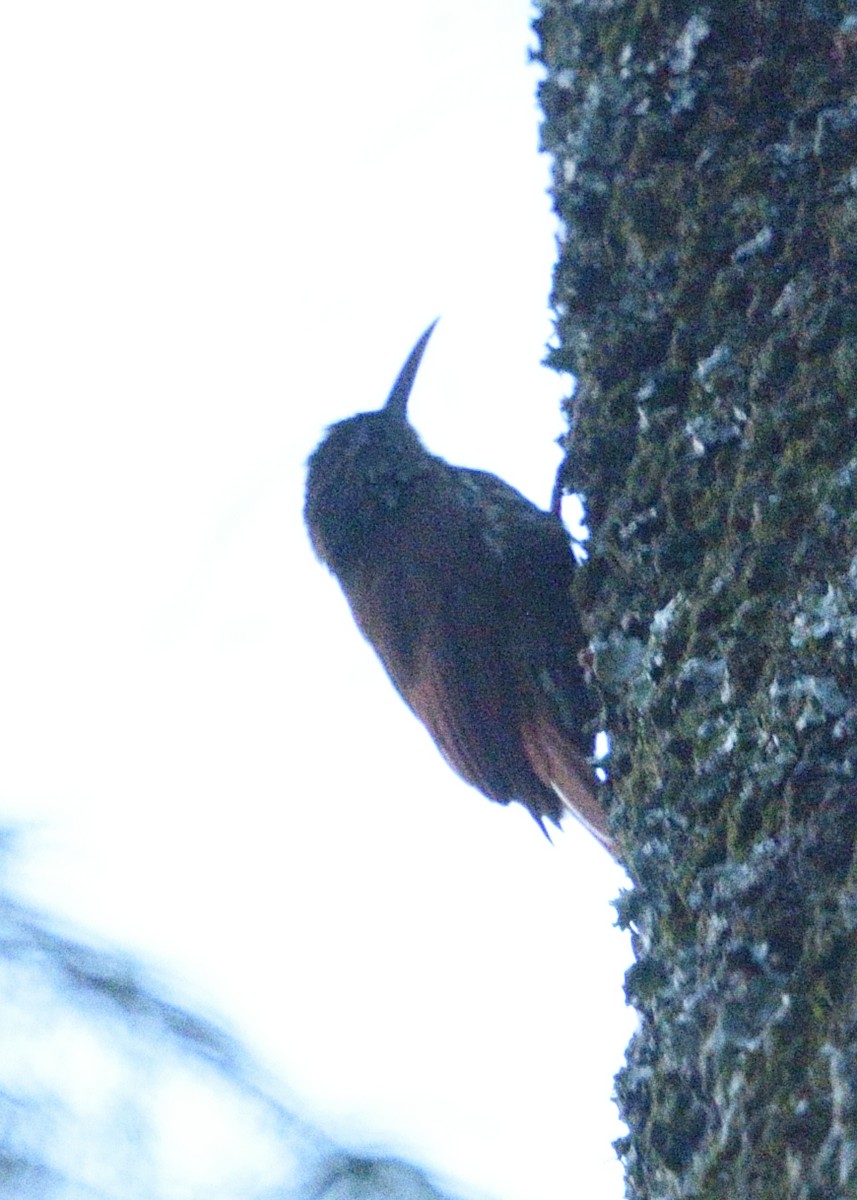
(435, 609)
(537, 576)
(473, 621)
(438, 632)
(556, 727)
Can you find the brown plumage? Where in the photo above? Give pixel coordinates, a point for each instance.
(462, 586)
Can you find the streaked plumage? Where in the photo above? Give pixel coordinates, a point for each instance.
(462, 586)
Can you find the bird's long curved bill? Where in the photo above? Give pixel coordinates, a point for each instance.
(397, 401)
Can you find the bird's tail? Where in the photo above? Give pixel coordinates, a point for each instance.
(560, 766)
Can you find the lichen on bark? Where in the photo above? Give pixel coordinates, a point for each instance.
(705, 177)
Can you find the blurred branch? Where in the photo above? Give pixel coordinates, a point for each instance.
(110, 1089)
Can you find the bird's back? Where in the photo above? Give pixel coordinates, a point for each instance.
(467, 603)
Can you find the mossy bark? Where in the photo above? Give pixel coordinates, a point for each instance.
(705, 175)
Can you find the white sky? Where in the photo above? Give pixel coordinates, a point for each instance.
(224, 225)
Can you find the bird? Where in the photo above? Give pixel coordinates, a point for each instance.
(463, 588)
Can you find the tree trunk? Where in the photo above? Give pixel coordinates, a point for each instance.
(705, 177)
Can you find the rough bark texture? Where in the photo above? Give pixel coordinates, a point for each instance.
(706, 301)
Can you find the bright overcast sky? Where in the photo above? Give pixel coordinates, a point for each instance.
(224, 227)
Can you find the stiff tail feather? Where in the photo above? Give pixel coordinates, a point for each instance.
(561, 767)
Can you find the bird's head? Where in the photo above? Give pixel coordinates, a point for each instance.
(357, 475)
